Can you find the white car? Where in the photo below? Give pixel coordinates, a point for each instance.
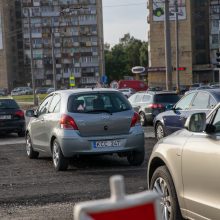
(127, 92)
(22, 91)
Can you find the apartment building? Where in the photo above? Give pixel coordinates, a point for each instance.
(194, 42)
(66, 40)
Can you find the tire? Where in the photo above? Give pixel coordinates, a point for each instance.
(143, 119)
(29, 149)
(162, 183)
(160, 131)
(59, 161)
(136, 158)
(21, 133)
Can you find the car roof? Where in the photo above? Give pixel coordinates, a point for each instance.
(160, 92)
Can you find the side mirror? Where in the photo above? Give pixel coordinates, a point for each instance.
(169, 107)
(196, 122)
(30, 113)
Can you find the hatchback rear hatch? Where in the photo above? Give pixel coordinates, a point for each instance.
(165, 99)
(101, 113)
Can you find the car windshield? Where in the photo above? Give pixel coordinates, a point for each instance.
(109, 102)
(8, 104)
(167, 98)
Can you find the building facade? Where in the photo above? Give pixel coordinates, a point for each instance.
(66, 38)
(194, 42)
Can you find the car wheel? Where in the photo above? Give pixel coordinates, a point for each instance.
(159, 131)
(29, 149)
(143, 119)
(136, 158)
(21, 133)
(59, 161)
(162, 183)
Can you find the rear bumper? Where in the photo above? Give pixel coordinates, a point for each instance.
(72, 143)
(16, 125)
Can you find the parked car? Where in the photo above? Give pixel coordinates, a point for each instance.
(215, 86)
(184, 169)
(154, 89)
(22, 91)
(11, 117)
(174, 119)
(137, 85)
(127, 92)
(3, 92)
(85, 121)
(50, 90)
(41, 90)
(150, 104)
(200, 88)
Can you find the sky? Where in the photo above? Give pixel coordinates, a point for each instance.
(124, 16)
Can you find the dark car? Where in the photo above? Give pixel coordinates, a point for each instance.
(11, 117)
(150, 104)
(41, 90)
(193, 102)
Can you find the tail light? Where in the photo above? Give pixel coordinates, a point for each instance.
(135, 119)
(67, 122)
(154, 106)
(19, 113)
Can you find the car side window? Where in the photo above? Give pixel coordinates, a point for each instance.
(185, 102)
(201, 101)
(216, 121)
(212, 102)
(132, 98)
(55, 104)
(146, 98)
(43, 108)
(138, 98)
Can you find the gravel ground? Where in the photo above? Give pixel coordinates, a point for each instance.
(31, 189)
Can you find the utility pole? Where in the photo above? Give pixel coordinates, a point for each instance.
(53, 56)
(177, 48)
(31, 56)
(168, 54)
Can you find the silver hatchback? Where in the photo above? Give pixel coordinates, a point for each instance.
(84, 121)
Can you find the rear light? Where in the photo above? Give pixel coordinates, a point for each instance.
(67, 122)
(135, 119)
(19, 113)
(153, 106)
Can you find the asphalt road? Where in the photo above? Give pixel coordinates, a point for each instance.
(31, 189)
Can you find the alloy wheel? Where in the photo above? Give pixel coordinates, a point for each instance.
(160, 132)
(28, 145)
(56, 155)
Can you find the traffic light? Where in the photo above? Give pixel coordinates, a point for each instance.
(218, 59)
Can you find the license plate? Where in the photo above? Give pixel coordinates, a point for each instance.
(103, 144)
(4, 117)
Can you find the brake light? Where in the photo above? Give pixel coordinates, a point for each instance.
(67, 122)
(135, 119)
(19, 113)
(153, 106)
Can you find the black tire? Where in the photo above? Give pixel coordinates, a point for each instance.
(29, 149)
(136, 158)
(21, 133)
(143, 119)
(162, 179)
(159, 131)
(59, 161)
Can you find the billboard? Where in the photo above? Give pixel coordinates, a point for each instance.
(1, 37)
(158, 10)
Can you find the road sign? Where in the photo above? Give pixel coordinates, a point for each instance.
(104, 79)
(138, 69)
(141, 206)
(72, 81)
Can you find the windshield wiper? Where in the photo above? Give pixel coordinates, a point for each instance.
(99, 110)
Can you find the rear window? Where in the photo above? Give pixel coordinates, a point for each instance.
(166, 98)
(98, 102)
(8, 104)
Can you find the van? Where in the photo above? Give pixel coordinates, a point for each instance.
(137, 85)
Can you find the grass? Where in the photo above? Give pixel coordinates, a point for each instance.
(28, 98)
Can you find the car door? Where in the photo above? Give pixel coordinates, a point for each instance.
(38, 131)
(200, 171)
(175, 119)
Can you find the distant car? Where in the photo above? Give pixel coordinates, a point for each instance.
(150, 104)
(174, 119)
(11, 117)
(137, 85)
(22, 91)
(41, 90)
(50, 90)
(154, 89)
(3, 92)
(184, 169)
(215, 86)
(127, 92)
(195, 86)
(200, 88)
(85, 121)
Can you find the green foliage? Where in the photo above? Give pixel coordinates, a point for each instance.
(120, 59)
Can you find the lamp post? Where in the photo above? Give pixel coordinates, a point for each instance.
(31, 57)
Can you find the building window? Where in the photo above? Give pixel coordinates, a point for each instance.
(215, 39)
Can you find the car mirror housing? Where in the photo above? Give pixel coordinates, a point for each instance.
(196, 122)
(169, 107)
(30, 113)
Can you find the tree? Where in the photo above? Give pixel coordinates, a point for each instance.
(120, 59)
